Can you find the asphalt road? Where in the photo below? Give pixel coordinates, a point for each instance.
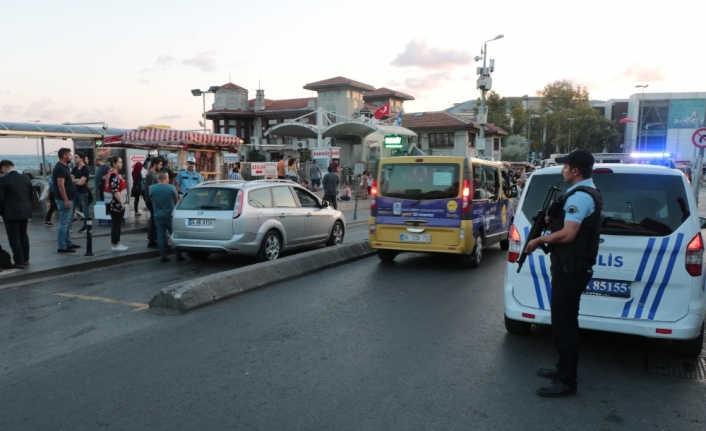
(418, 344)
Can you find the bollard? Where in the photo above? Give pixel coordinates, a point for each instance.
(89, 237)
(355, 208)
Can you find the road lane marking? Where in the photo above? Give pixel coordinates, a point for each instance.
(139, 306)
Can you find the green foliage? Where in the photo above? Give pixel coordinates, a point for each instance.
(514, 140)
(515, 152)
(497, 110)
(256, 156)
(518, 114)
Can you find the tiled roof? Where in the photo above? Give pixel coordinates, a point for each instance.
(279, 105)
(251, 102)
(231, 86)
(338, 81)
(370, 106)
(386, 92)
(444, 120)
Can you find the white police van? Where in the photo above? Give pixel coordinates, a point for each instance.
(649, 275)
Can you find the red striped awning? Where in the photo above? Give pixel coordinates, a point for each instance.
(177, 139)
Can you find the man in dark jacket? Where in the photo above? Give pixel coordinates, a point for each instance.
(16, 210)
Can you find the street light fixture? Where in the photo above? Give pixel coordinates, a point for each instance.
(484, 83)
(196, 92)
(641, 111)
(571, 122)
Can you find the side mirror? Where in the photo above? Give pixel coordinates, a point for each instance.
(324, 204)
(702, 222)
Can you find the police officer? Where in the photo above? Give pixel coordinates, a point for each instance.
(573, 243)
(187, 178)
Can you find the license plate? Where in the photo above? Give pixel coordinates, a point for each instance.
(414, 238)
(608, 288)
(200, 222)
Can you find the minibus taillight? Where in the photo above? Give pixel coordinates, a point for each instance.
(515, 245)
(239, 204)
(694, 255)
(466, 199)
(373, 194)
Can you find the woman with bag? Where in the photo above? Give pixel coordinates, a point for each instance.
(136, 191)
(292, 170)
(364, 184)
(115, 195)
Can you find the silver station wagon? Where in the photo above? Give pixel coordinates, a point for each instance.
(256, 218)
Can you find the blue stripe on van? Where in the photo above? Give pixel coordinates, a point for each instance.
(665, 279)
(645, 258)
(651, 280)
(626, 308)
(547, 283)
(535, 278)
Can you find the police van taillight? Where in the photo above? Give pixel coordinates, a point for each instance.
(466, 197)
(515, 245)
(694, 255)
(374, 194)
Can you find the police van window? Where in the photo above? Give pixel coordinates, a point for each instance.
(479, 182)
(419, 180)
(633, 204)
(492, 182)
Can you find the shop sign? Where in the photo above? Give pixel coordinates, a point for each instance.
(258, 169)
(230, 159)
(83, 143)
(335, 153)
(393, 142)
(320, 153)
(270, 169)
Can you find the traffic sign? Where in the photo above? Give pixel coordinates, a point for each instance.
(699, 138)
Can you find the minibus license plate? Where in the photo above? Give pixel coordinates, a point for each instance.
(200, 222)
(414, 238)
(608, 288)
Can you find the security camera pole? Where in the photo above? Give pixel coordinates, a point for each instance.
(484, 84)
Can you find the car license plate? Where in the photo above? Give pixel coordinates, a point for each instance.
(608, 288)
(414, 238)
(200, 222)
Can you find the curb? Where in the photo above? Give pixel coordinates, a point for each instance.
(192, 294)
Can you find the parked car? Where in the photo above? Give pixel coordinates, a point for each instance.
(256, 218)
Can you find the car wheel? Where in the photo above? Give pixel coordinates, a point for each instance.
(517, 326)
(473, 260)
(337, 234)
(198, 255)
(690, 348)
(270, 247)
(387, 255)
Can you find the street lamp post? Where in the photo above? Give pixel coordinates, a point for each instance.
(212, 89)
(571, 122)
(640, 118)
(484, 84)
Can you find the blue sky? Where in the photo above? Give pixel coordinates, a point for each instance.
(133, 63)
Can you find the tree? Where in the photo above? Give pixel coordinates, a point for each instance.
(518, 114)
(497, 110)
(515, 149)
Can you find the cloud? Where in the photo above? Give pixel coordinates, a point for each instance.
(428, 82)
(109, 116)
(639, 73)
(41, 108)
(418, 53)
(205, 61)
(165, 60)
(168, 117)
(143, 81)
(146, 70)
(10, 109)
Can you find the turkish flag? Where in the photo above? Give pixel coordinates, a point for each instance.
(382, 111)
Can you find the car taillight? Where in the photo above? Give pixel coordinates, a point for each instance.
(515, 245)
(466, 197)
(239, 204)
(373, 194)
(694, 255)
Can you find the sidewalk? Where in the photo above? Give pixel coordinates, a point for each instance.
(46, 262)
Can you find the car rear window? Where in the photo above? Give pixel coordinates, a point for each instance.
(633, 204)
(419, 180)
(209, 198)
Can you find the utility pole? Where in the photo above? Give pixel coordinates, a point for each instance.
(484, 84)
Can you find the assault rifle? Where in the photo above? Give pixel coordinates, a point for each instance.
(539, 224)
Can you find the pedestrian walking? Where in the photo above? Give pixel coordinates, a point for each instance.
(281, 169)
(189, 177)
(315, 175)
(235, 174)
(573, 243)
(115, 195)
(80, 175)
(330, 183)
(16, 210)
(136, 190)
(52, 203)
(65, 195)
(164, 198)
(156, 166)
(364, 184)
(101, 169)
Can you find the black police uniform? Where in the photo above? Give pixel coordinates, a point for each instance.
(571, 268)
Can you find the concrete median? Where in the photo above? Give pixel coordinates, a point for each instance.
(202, 291)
